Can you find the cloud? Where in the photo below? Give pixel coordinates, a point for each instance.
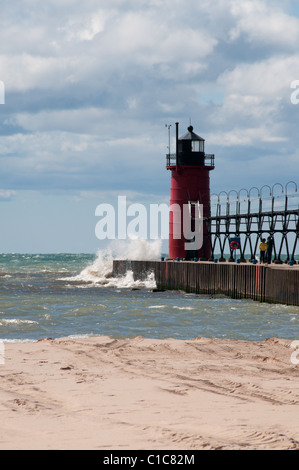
(89, 90)
(256, 99)
(263, 23)
(267, 79)
(6, 195)
(85, 27)
(86, 48)
(245, 137)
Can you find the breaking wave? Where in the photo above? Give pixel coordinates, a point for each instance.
(100, 271)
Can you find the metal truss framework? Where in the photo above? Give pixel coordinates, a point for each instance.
(251, 218)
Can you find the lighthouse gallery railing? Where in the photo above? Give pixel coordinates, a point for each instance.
(209, 159)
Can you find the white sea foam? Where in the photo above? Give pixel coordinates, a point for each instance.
(183, 308)
(156, 306)
(99, 273)
(16, 321)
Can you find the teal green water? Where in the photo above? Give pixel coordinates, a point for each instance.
(74, 294)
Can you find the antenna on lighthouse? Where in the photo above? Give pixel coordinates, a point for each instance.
(168, 126)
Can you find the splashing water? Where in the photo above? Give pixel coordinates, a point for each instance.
(99, 273)
(136, 249)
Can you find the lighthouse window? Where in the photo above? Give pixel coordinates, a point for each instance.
(195, 145)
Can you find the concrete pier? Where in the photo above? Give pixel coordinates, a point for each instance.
(264, 283)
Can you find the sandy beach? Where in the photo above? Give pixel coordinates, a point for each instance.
(101, 393)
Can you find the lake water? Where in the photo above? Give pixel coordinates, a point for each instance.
(58, 295)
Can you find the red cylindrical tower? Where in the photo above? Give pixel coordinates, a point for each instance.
(190, 188)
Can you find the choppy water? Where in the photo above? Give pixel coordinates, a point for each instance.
(74, 294)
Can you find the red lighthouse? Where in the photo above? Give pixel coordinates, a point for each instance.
(190, 188)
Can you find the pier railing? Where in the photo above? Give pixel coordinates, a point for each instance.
(253, 215)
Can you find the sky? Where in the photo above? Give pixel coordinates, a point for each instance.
(89, 88)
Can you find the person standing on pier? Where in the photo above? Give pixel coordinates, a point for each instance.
(269, 249)
(263, 249)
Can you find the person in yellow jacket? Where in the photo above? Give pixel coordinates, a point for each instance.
(263, 248)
